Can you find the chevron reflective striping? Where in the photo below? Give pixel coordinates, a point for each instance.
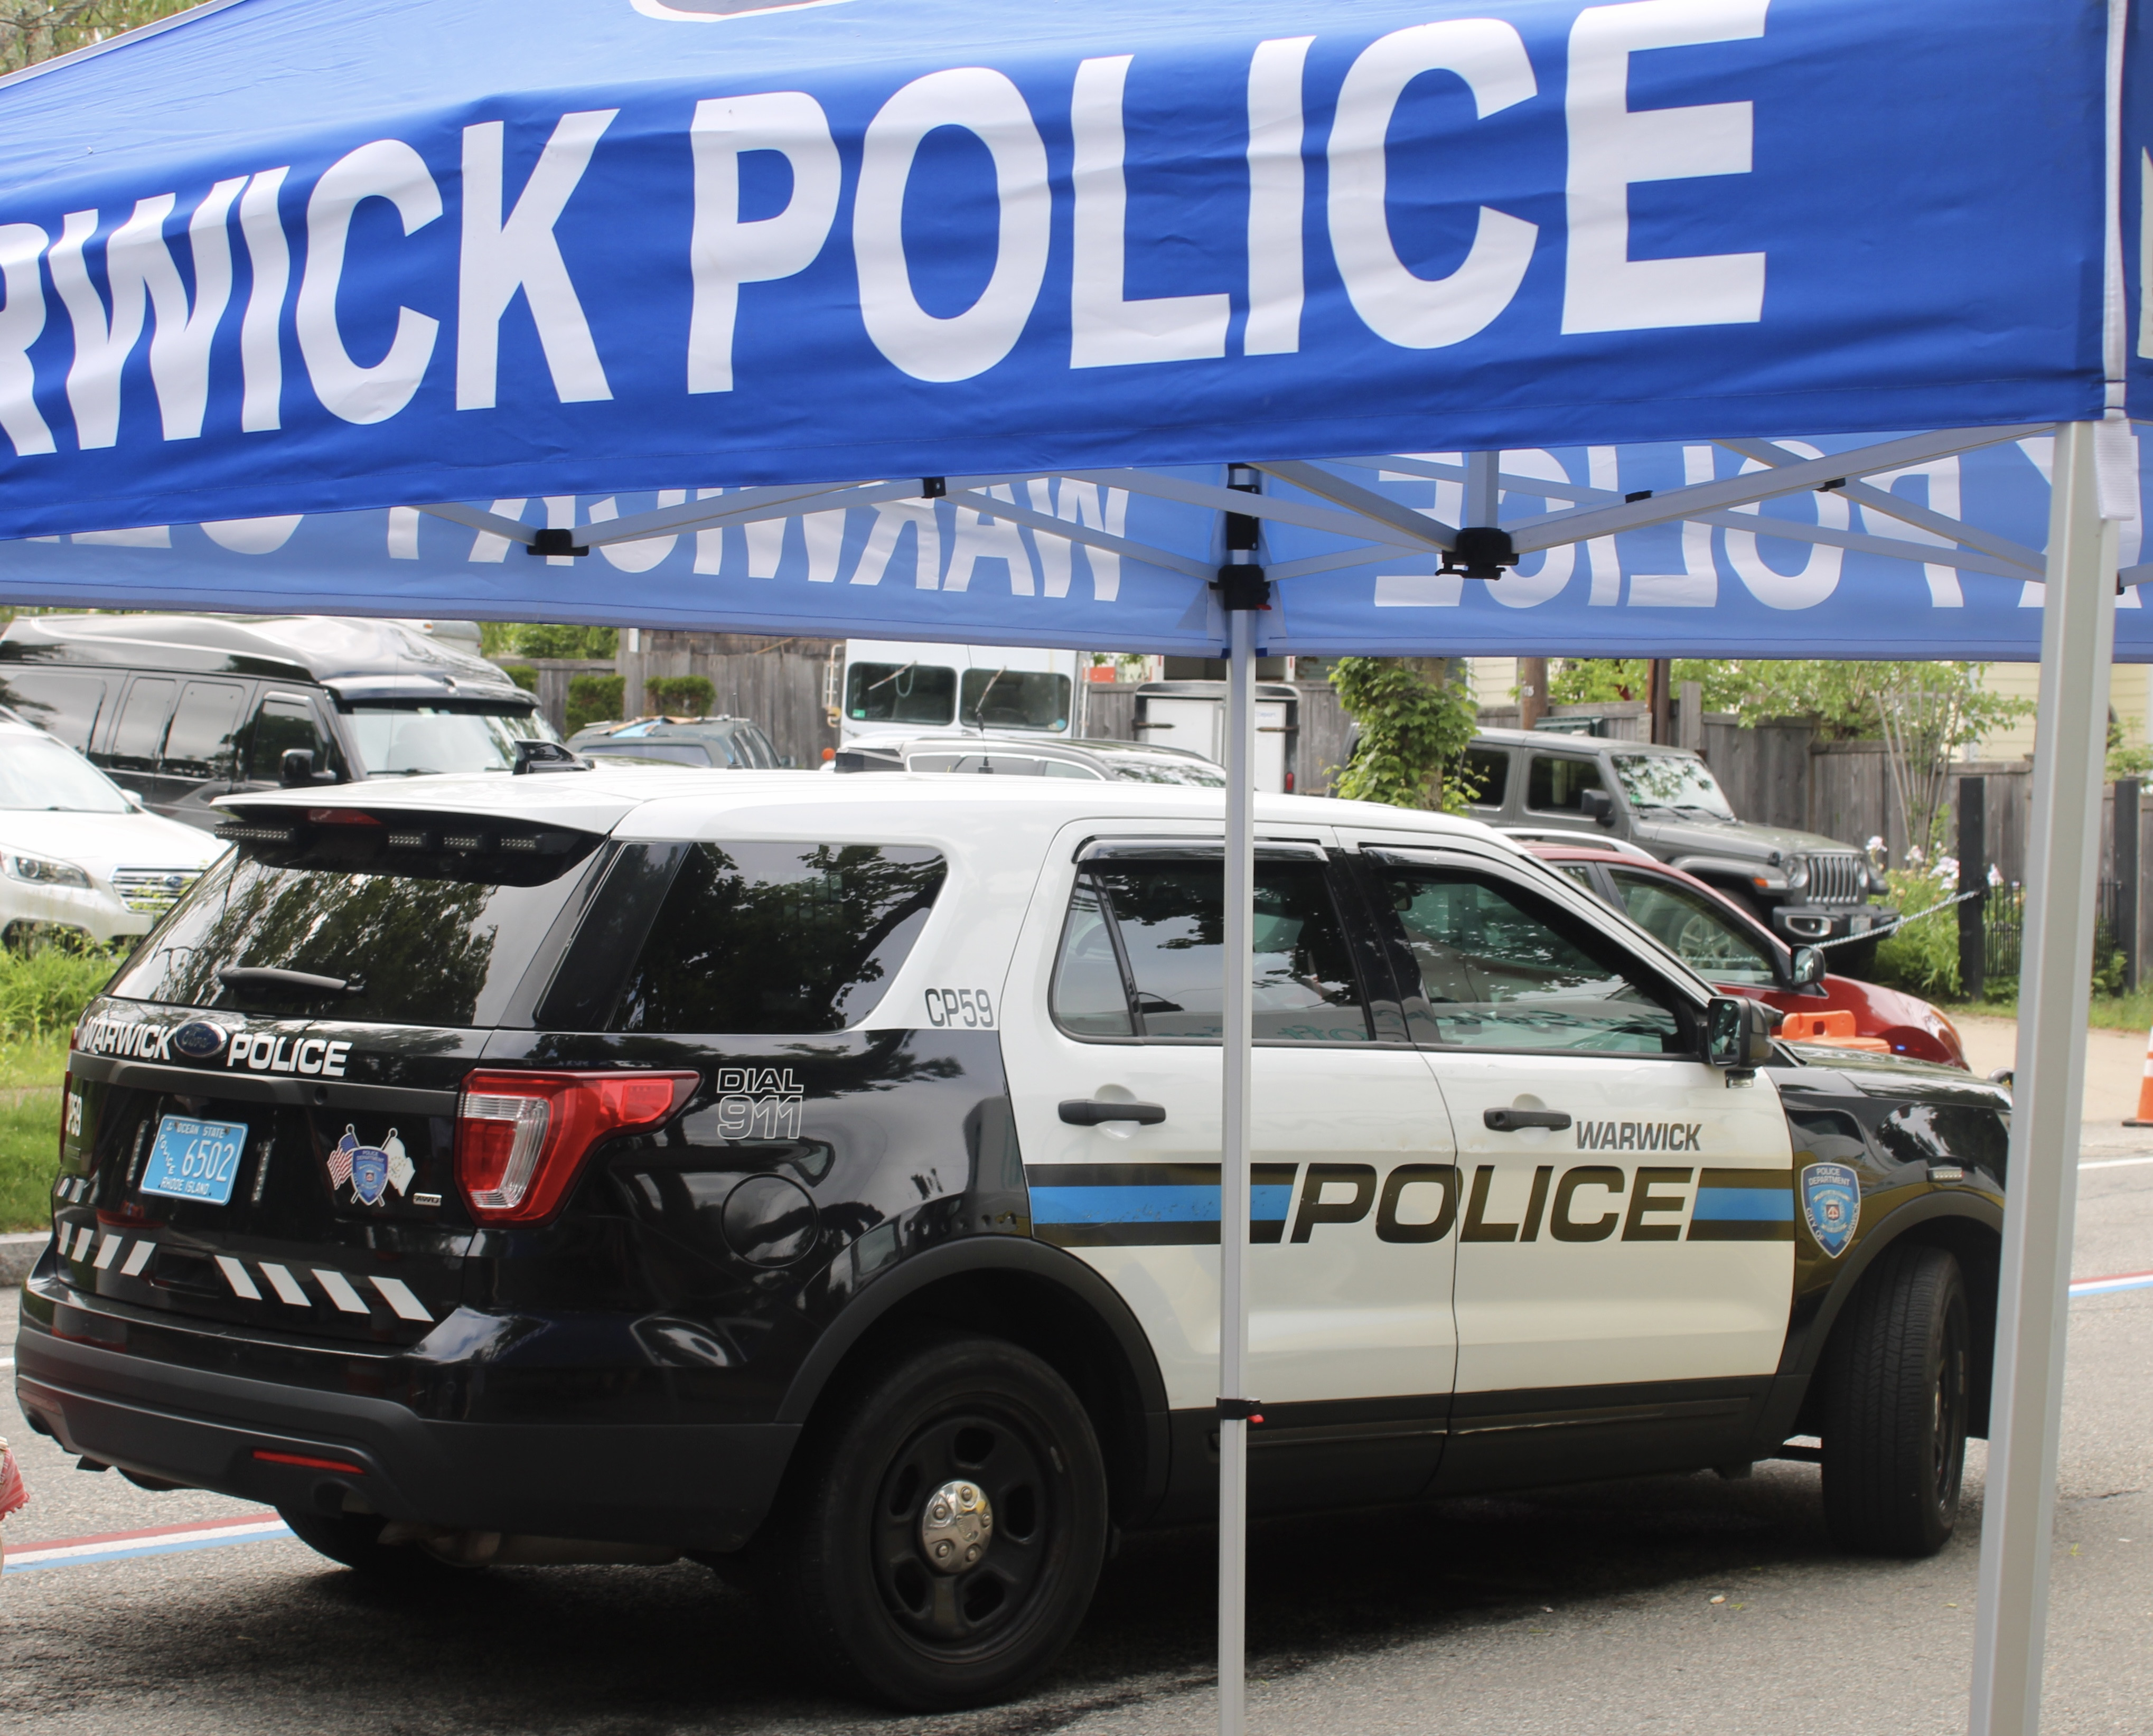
(234, 1274)
(138, 1256)
(338, 1286)
(106, 1250)
(286, 1285)
(157, 1540)
(397, 1294)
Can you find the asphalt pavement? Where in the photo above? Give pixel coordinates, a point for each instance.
(1687, 1603)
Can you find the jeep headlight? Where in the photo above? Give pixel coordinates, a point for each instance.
(1797, 872)
(44, 871)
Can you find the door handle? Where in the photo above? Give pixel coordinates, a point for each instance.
(1091, 1112)
(1509, 1121)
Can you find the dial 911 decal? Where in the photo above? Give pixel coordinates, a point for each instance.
(961, 1009)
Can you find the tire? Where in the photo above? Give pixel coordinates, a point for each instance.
(859, 1592)
(1894, 1407)
(353, 1539)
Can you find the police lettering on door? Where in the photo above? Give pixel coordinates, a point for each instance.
(1124, 1204)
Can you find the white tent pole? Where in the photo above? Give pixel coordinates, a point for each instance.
(1236, 1055)
(2070, 743)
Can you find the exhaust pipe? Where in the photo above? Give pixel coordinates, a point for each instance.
(494, 1549)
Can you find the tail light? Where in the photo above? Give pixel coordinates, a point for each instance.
(1289, 783)
(521, 1137)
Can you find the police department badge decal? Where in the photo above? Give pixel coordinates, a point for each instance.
(1831, 1202)
(371, 1169)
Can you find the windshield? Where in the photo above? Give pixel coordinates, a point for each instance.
(1015, 700)
(900, 693)
(1671, 781)
(37, 773)
(1143, 768)
(407, 740)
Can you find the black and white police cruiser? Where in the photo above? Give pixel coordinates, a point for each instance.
(819, 1178)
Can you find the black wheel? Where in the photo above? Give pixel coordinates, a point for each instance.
(1894, 1409)
(940, 1537)
(355, 1538)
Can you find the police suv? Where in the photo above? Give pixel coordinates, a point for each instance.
(820, 1177)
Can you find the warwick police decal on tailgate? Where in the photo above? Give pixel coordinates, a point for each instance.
(1831, 1202)
(371, 1169)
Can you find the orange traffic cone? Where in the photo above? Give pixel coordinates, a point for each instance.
(2144, 1118)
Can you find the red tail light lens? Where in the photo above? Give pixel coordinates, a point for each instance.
(521, 1137)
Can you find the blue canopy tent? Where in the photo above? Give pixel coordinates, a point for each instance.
(308, 306)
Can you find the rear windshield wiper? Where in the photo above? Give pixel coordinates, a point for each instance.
(269, 980)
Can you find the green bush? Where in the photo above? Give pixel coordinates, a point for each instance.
(595, 698)
(522, 674)
(29, 1154)
(1922, 957)
(43, 993)
(679, 695)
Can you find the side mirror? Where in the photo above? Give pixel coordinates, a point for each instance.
(295, 769)
(134, 801)
(1597, 805)
(1809, 967)
(532, 756)
(1737, 1032)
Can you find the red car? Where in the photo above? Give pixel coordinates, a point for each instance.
(1730, 948)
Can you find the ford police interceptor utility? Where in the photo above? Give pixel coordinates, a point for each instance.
(821, 1178)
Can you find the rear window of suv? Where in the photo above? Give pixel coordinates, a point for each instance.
(758, 939)
(423, 931)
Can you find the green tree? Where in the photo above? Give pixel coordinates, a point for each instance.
(34, 30)
(1416, 718)
(545, 638)
(1598, 680)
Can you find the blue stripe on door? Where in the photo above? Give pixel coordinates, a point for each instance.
(1747, 1204)
(1169, 1205)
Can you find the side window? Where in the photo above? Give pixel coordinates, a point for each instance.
(199, 743)
(1557, 781)
(765, 939)
(1696, 928)
(1579, 872)
(67, 704)
(1486, 776)
(1156, 922)
(1069, 768)
(900, 693)
(285, 721)
(139, 738)
(1501, 970)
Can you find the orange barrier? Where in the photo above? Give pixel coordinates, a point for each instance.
(1837, 1029)
(2144, 1118)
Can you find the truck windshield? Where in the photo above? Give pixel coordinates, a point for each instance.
(1015, 700)
(1671, 781)
(409, 741)
(900, 693)
(37, 773)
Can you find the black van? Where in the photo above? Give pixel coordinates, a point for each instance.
(183, 709)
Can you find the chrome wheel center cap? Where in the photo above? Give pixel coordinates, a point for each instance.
(955, 1527)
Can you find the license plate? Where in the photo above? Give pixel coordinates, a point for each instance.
(1858, 925)
(192, 1159)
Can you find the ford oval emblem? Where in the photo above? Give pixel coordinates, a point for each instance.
(198, 1039)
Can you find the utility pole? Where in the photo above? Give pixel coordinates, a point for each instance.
(1532, 691)
(1663, 700)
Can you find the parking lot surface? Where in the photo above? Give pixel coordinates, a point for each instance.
(1673, 1604)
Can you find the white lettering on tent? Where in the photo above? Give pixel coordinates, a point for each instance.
(386, 169)
(924, 345)
(404, 533)
(892, 519)
(500, 257)
(1939, 480)
(1603, 469)
(1418, 590)
(724, 253)
(709, 544)
(980, 537)
(1107, 329)
(139, 272)
(824, 535)
(1697, 586)
(644, 553)
(1091, 504)
(251, 535)
(261, 337)
(1277, 180)
(1818, 577)
(1519, 588)
(22, 323)
(487, 545)
(765, 547)
(141, 536)
(1611, 146)
(1412, 311)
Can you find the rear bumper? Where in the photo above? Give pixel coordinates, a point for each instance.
(697, 1486)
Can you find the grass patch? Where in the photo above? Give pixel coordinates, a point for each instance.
(2105, 1012)
(29, 1157)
